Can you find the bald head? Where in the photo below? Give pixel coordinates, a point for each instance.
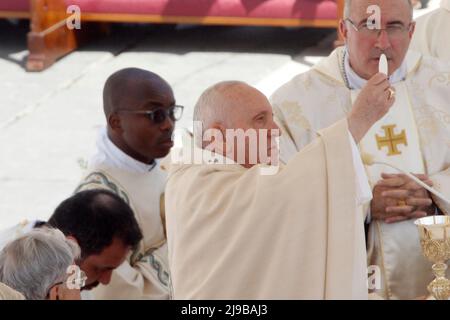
(219, 103)
(228, 103)
(128, 88)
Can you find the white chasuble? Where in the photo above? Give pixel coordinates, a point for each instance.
(234, 233)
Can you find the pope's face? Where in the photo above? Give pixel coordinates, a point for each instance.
(365, 46)
(253, 113)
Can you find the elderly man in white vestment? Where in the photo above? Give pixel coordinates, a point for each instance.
(432, 32)
(414, 135)
(239, 229)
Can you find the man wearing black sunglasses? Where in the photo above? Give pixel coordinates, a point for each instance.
(140, 111)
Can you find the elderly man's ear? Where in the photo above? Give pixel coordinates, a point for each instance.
(220, 127)
(222, 147)
(61, 292)
(213, 138)
(343, 29)
(53, 293)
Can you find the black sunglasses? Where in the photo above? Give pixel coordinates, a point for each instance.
(158, 116)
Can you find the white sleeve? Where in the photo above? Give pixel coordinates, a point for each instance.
(363, 190)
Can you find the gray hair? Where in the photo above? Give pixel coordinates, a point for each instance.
(211, 106)
(36, 261)
(348, 5)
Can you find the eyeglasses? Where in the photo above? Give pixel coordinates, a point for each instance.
(158, 116)
(394, 31)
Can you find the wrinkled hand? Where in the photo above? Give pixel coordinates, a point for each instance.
(372, 104)
(394, 188)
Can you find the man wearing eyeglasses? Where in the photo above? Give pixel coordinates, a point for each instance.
(413, 135)
(431, 36)
(140, 113)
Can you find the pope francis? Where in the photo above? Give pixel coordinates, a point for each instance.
(236, 232)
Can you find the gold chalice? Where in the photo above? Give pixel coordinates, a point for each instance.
(435, 241)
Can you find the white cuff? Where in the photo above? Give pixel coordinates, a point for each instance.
(363, 190)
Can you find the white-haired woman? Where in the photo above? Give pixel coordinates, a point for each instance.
(40, 265)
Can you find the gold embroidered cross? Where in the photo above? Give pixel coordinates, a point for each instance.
(391, 140)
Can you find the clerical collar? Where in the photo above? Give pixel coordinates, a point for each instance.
(108, 153)
(354, 81)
